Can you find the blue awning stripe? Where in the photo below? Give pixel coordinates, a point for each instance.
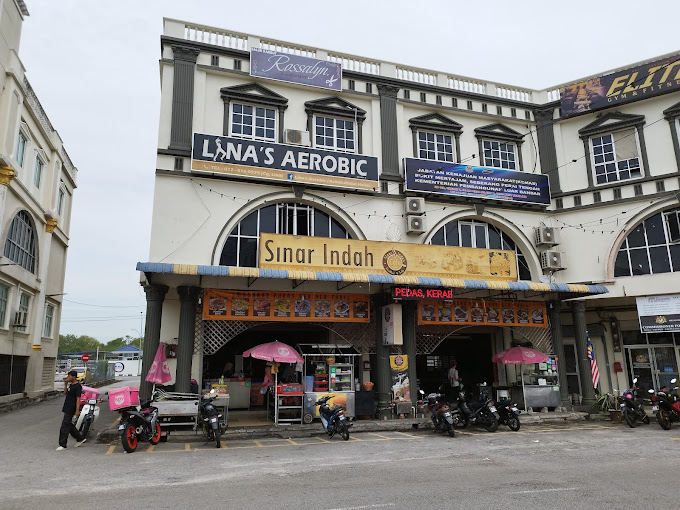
(212, 270)
(380, 278)
(431, 281)
(476, 284)
(560, 287)
(518, 286)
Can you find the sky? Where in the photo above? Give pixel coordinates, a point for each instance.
(94, 66)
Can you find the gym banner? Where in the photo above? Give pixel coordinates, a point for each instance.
(659, 314)
(295, 69)
(278, 162)
(429, 176)
(633, 84)
(285, 306)
(483, 313)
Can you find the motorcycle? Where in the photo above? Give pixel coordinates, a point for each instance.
(440, 413)
(508, 414)
(632, 406)
(666, 406)
(333, 419)
(89, 412)
(211, 420)
(486, 415)
(136, 425)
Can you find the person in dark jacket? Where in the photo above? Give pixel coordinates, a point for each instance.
(71, 409)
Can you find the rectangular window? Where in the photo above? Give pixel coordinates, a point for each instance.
(24, 301)
(369, 88)
(439, 99)
(513, 112)
(37, 171)
(499, 110)
(559, 204)
(215, 60)
(673, 226)
(469, 105)
(237, 64)
(577, 200)
(253, 122)
(21, 149)
(49, 315)
(407, 94)
(351, 84)
(60, 199)
(454, 102)
(485, 107)
(638, 189)
(4, 295)
(435, 146)
(617, 193)
(660, 186)
(179, 163)
(597, 198)
(499, 154)
(423, 97)
(615, 156)
(527, 114)
(334, 134)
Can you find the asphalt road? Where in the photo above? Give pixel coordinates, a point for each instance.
(579, 465)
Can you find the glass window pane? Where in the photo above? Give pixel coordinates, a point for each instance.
(248, 252)
(659, 258)
(228, 257)
(639, 262)
(523, 268)
(654, 230)
(337, 230)
(494, 238)
(480, 236)
(438, 237)
(321, 224)
(621, 266)
(466, 235)
(637, 237)
(268, 219)
(675, 256)
(451, 229)
(249, 225)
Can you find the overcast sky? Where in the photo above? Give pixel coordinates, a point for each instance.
(94, 66)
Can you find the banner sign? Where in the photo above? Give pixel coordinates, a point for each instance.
(400, 384)
(295, 69)
(659, 314)
(483, 313)
(391, 325)
(444, 178)
(308, 253)
(634, 84)
(285, 306)
(278, 162)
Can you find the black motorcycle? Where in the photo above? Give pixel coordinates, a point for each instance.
(632, 406)
(211, 420)
(508, 414)
(666, 405)
(333, 418)
(139, 425)
(485, 415)
(440, 412)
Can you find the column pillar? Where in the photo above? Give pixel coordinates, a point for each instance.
(558, 349)
(383, 381)
(182, 97)
(578, 313)
(389, 132)
(547, 151)
(188, 297)
(6, 175)
(155, 295)
(408, 314)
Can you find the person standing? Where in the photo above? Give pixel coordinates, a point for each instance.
(454, 381)
(71, 408)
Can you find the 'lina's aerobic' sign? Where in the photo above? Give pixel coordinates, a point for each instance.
(295, 69)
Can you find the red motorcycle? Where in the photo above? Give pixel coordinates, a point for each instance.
(440, 413)
(666, 405)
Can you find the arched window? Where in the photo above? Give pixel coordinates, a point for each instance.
(242, 244)
(652, 247)
(477, 234)
(20, 244)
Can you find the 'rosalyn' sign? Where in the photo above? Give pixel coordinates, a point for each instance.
(295, 69)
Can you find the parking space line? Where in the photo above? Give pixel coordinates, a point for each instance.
(187, 447)
(110, 450)
(223, 444)
(292, 442)
(257, 443)
(407, 435)
(379, 435)
(321, 439)
(149, 449)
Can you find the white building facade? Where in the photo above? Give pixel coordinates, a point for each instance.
(613, 170)
(37, 181)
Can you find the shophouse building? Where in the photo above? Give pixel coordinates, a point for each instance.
(292, 175)
(37, 180)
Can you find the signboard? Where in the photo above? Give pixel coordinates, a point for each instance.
(285, 306)
(391, 325)
(633, 84)
(85, 358)
(119, 367)
(308, 253)
(483, 313)
(295, 69)
(659, 314)
(278, 162)
(400, 384)
(444, 178)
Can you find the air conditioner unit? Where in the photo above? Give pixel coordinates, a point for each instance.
(296, 137)
(547, 236)
(414, 205)
(415, 224)
(552, 260)
(20, 318)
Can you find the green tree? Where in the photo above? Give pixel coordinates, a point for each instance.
(117, 343)
(82, 343)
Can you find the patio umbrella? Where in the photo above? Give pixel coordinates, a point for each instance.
(159, 373)
(274, 351)
(520, 356)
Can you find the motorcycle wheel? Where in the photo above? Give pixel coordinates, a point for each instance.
(645, 419)
(155, 439)
(435, 424)
(450, 428)
(629, 417)
(344, 431)
(513, 423)
(462, 421)
(85, 429)
(490, 422)
(218, 444)
(129, 438)
(663, 419)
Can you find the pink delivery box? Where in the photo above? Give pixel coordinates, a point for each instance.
(88, 393)
(123, 397)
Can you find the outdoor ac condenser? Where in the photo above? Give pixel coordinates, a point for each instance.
(296, 137)
(552, 260)
(547, 236)
(415, 224)
(20, 319)
(414, 205)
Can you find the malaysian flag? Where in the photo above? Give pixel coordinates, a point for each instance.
(594, 372)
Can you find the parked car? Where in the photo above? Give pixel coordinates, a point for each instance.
(83, 373)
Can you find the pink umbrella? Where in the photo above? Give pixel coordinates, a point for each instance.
(520, 356)
(159, 373)
(274, 351)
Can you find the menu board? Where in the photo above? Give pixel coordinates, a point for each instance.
(285, 306)
(482, 312)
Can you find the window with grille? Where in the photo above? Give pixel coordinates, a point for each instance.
(24, 301)
(253, 122)
(21, 149)
(615, 156)
(37, 171)
(242, 245)
(334, 134)
(20, 243)
(478, 234)
(499, 154)
(49, 315)
(436, 146)
(4, 296)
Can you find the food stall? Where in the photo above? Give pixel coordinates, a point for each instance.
(541, 385)
(328, 370)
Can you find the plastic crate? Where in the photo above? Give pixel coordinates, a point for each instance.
(120, 398)
(289, 388)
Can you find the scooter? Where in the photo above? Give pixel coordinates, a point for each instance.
(89, 412)
(632, 406)
(136, 425)
(508, 414)
(211, 419)
(666, 406)
(486, 415)
(333, 419)
(440, 413)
